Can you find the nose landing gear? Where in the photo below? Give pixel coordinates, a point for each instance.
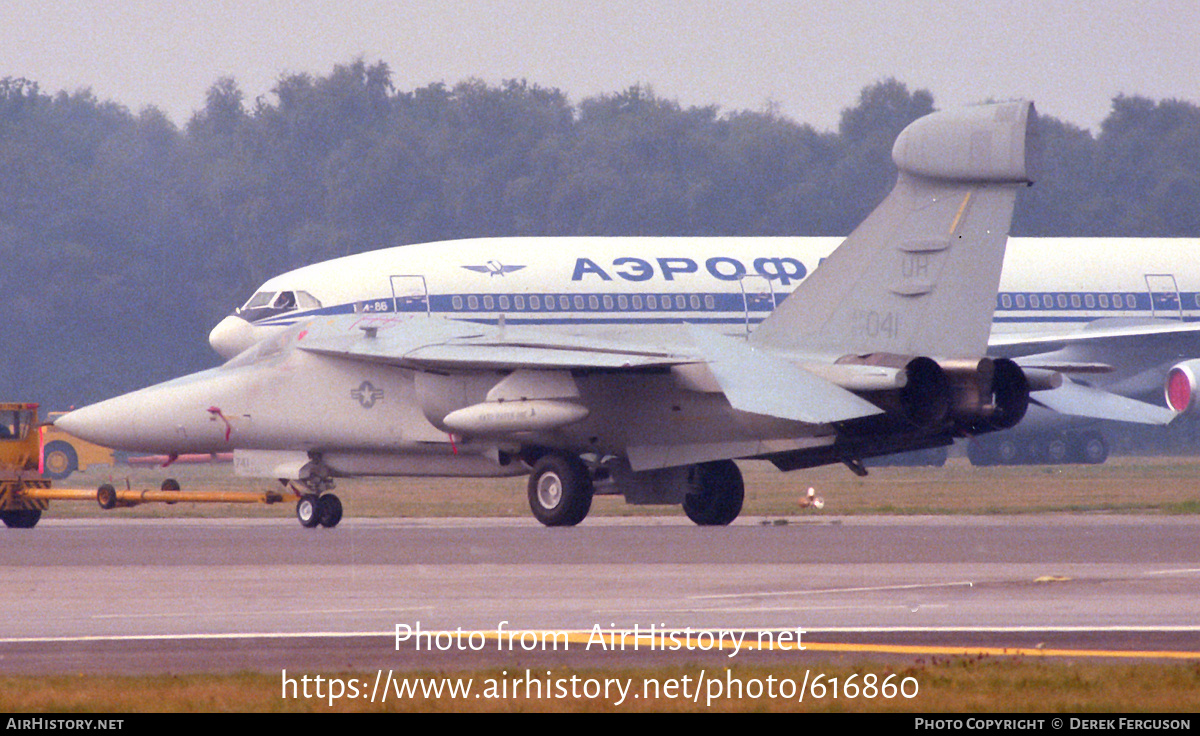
(323, 510)
(317, 505)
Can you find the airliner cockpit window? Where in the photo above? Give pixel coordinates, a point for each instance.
(259, 300)
(307, 301)
(284, 302)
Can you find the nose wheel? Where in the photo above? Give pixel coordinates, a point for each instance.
(324, 510)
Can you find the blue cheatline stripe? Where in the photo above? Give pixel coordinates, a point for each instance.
(729, 307)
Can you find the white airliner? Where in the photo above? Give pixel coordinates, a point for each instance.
(1119, 313)
(599, 365)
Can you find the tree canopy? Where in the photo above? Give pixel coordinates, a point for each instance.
(126, 238)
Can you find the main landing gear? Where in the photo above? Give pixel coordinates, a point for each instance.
(715, 493)
(560, 490)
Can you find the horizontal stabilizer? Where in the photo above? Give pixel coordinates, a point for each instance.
(1075, 399)
(756, 381)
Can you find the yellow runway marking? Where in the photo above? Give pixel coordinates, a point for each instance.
(626, 641)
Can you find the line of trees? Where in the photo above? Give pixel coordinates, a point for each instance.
(124, 238)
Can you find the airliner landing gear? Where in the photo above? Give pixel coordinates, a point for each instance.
(560, 490)
(1051, 448)
(1091, 448)
(715, 493)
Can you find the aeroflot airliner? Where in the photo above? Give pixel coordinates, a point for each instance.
(1113, 312)
(1048, 284)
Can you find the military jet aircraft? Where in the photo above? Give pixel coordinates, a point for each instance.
(881, 350)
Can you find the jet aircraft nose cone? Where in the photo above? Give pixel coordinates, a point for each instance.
(231, 336)
(85, 423)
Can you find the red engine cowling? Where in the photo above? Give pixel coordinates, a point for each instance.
(1181, 386)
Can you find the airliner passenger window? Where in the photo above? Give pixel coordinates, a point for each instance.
(1089, 301)
(1020, 301)
(651, 301)
(457, 302)
(608, 302)
(564, 302)
(1104, 301)
(1062, 301)
(520, 302)
(623, 302)
(695, 301)
(709, 302)
(535, 303)
(1006, 301)
(578, 303)
(504, 301)
(1034, 302)
(1131, 301)
(489, 303)
(1075, 301)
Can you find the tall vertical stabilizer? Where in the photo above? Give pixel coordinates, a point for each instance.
(919, 275)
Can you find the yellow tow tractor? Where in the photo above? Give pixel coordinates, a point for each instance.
(25, 490)
(20, 456)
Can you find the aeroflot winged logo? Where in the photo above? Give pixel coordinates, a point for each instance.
(366, 394)
(495, 268)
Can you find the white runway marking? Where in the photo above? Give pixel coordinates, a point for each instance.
(809, 630)
(817, 591)
(193, 614)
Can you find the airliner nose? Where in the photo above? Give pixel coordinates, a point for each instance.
(231, 336)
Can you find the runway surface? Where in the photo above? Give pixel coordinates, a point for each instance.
(117, 595)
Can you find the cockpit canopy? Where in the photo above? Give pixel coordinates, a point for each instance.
(271, 303)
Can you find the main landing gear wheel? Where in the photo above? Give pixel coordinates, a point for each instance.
(1008, 452)
(716, 494)
(560, 490)
(1091, 448)
(306, 511)
(329, 510)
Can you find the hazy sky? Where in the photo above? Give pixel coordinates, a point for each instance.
(810, 57)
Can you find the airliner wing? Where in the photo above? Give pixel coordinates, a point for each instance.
(1134, 355)
(1079, 400)
(1118, 337)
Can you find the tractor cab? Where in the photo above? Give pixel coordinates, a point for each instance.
(19, 441)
